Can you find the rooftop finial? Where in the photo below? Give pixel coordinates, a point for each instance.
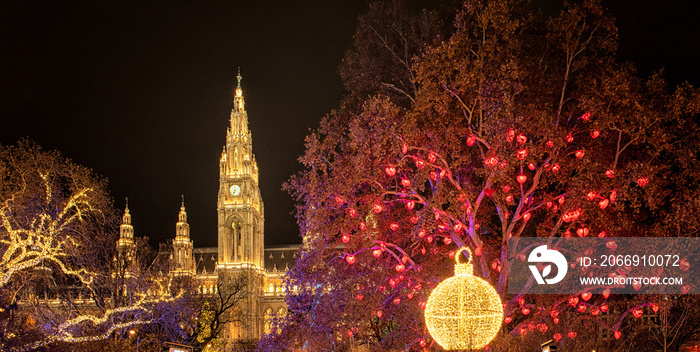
(127, 204)
(183, 200)
(238, 77)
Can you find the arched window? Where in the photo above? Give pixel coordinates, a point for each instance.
(268, 321)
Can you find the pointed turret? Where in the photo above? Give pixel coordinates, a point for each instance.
(126, 247)
(126, 231)
(182, 245)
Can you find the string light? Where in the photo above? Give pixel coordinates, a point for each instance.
(463, 312)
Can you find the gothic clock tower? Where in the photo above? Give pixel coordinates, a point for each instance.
(240, 207)
(241, 219)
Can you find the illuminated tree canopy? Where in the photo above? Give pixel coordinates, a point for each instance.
(59, 281)
(502, 138)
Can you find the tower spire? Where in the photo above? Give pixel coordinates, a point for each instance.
(183, 201)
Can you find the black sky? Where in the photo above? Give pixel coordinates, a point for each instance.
(141, 91)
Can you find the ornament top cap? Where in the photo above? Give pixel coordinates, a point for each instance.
(464, 268)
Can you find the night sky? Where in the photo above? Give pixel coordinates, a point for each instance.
(141, 91)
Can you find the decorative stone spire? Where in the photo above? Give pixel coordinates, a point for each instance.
(238, 104)
(125, 245)
(182, 245)
(126, 231)
(182, 227)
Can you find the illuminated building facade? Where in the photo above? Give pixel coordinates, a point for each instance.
(241, 237)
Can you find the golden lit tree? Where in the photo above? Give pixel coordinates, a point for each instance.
(57, 243)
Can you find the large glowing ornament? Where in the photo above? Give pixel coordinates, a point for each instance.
(463, 312)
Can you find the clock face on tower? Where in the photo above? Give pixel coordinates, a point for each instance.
(235, 190)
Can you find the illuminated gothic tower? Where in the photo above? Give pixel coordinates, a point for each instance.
(240, 213)
(182, 246)
(125, 244)
(240, 208)
(125, 263)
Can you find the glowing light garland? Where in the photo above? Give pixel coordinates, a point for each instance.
(463, 312)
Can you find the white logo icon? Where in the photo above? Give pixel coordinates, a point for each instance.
(543, 255)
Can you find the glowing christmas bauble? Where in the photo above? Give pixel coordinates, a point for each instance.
(463, 312)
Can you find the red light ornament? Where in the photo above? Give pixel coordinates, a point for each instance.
(410, 204)
(595, 134)
(350, 259)
(521, 179)
(394, 226)
(610, 173)
(521, 139)
(345, 238)
(643, 181)
(586, 116)
(617, 335)
(510, 135)
(377, 208)
(580, 154)
(470, 140)
(406, 182)
(377, 253)
(637, 313)
(521, 154)
(390, 170)
(420, 164)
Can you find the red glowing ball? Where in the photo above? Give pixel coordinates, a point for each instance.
(580, 153)
(471, 140)
(595, 134)
(406, 182)
(586, 296)
(390, 170)
(521, 179)
(350, 259)
(610, 173)
(377, 208)
(377, 253)
(345, 238)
